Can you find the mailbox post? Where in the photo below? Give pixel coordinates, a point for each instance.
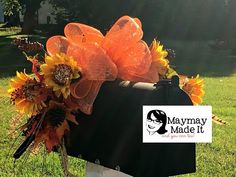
(94, 170)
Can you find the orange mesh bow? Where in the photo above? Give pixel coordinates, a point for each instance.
(121, 53)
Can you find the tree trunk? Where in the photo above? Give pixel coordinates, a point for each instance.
(29, 22)
(29, 17)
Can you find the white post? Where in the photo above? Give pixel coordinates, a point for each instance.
(94, 170)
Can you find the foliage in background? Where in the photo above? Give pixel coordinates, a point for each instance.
(96, 13)
(11, 6)
(190, 19)
(28, 8)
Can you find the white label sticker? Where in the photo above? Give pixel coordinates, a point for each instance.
(177, 124)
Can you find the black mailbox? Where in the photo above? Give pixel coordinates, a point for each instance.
(113, 133)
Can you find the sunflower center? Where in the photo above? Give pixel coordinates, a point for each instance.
(62, 74)
(29, 91)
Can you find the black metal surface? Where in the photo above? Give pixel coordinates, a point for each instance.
(113, 133)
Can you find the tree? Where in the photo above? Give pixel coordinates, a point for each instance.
(29, 9)
(96, 13)
(12, 8)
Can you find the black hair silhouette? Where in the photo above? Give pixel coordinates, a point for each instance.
(160, 116)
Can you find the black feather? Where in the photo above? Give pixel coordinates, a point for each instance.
(24, 146)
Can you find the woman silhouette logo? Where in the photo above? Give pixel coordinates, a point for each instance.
(156, 122)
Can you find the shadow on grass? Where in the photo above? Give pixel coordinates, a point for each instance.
(11, 58)
(196, 57)
(192, 58)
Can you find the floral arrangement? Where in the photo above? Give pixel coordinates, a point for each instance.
(74, 68)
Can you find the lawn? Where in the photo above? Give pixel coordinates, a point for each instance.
(193, 57)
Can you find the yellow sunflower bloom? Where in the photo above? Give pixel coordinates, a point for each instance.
(193, 87)
(27, 94)
(159, 57)
(58, 71)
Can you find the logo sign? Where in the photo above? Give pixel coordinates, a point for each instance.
(177, 124)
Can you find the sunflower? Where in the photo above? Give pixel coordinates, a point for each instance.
(159, 57)
(55, 125)
(57, 113)
(59, 70)
(193, 87)
(27, 94)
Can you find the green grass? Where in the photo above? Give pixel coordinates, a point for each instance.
(9, 31)
(219, 157)
(193, 57)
